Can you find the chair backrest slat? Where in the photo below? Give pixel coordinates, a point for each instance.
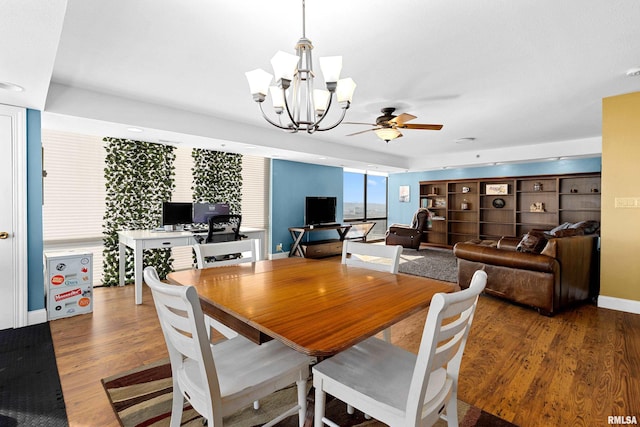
(371, 256)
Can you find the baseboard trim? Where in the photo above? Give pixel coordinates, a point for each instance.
(612, 303)
(279, 255)
(36, 316)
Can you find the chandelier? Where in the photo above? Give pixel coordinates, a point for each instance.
(294, 92)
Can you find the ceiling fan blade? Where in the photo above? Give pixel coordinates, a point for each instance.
(362, 131)
(403, 118)
(420, 126)
(358, 123)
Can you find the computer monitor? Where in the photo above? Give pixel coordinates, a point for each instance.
(203, 211)
(176, 213)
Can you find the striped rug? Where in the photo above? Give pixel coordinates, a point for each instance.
(142, 398)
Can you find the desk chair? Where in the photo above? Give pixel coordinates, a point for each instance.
(221, 379)
(223, 228)
(395, 386)
(369, 256)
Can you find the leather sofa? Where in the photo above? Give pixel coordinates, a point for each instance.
(409, 236)
(562, 274)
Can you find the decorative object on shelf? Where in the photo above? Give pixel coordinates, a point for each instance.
(295, 74)
(594, 190)
(466, 189)
(434, 190)
(574, 190)
(498, 203)
(440, 202)
(537, 186)
(536, 207)
(404, 194)
(497, 189)
(464, 205)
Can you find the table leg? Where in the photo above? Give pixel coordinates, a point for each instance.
(296, 244)
(122, 261)
(137, 272)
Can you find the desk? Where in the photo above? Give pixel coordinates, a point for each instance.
(316, 307)
(139, 240)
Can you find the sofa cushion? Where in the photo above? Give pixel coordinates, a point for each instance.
(532, 242)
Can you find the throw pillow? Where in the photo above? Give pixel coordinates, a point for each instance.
(532, 242)
(588, 227)
(564, 226)
(568, 232)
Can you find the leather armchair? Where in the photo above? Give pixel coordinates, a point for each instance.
(410, 236)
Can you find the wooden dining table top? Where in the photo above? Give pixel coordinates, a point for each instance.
(317, 307)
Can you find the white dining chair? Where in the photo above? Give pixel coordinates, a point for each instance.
(218, 380)
(229, 253)
(373, 257)
(226, 253)
(395, 386)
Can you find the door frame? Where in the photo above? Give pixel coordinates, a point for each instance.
(19, 214)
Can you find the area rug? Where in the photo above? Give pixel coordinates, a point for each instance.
(435, 263)
(142, 398)
(30, 391)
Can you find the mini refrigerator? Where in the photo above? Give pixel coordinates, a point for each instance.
(68, 283)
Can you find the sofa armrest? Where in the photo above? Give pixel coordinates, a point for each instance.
(511, 259)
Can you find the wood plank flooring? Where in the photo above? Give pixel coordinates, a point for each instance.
(575, 369)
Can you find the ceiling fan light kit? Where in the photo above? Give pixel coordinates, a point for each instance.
(387, 125)
(294, 92)
(388, 134)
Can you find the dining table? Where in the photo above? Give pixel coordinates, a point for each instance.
(317, 307)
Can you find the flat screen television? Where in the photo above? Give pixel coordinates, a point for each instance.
(203, 211)
(320, 210)
(176, 213)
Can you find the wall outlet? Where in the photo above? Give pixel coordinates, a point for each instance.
(279, 247)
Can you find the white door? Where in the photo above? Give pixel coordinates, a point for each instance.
(12, 242)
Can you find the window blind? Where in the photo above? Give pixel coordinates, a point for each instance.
(74, 194)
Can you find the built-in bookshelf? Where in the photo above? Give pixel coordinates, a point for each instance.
(488, 209)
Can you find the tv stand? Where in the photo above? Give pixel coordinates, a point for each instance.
(318, 248)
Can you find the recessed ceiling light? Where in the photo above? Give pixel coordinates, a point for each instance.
(250, 147)
(464, 140)
(633, 72)
(134, 129)
(11, 86)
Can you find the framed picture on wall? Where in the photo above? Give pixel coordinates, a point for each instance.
(404, 194)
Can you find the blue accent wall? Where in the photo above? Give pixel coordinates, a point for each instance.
(291, 182)
(403, 212)
(34, 211)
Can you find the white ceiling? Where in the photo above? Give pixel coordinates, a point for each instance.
(524, 78)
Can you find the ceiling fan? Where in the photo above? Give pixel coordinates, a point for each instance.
(387, 125)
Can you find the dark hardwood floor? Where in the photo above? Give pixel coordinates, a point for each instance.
(574, 369)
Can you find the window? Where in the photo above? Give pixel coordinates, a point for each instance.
(365, 199)
(74, 194)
